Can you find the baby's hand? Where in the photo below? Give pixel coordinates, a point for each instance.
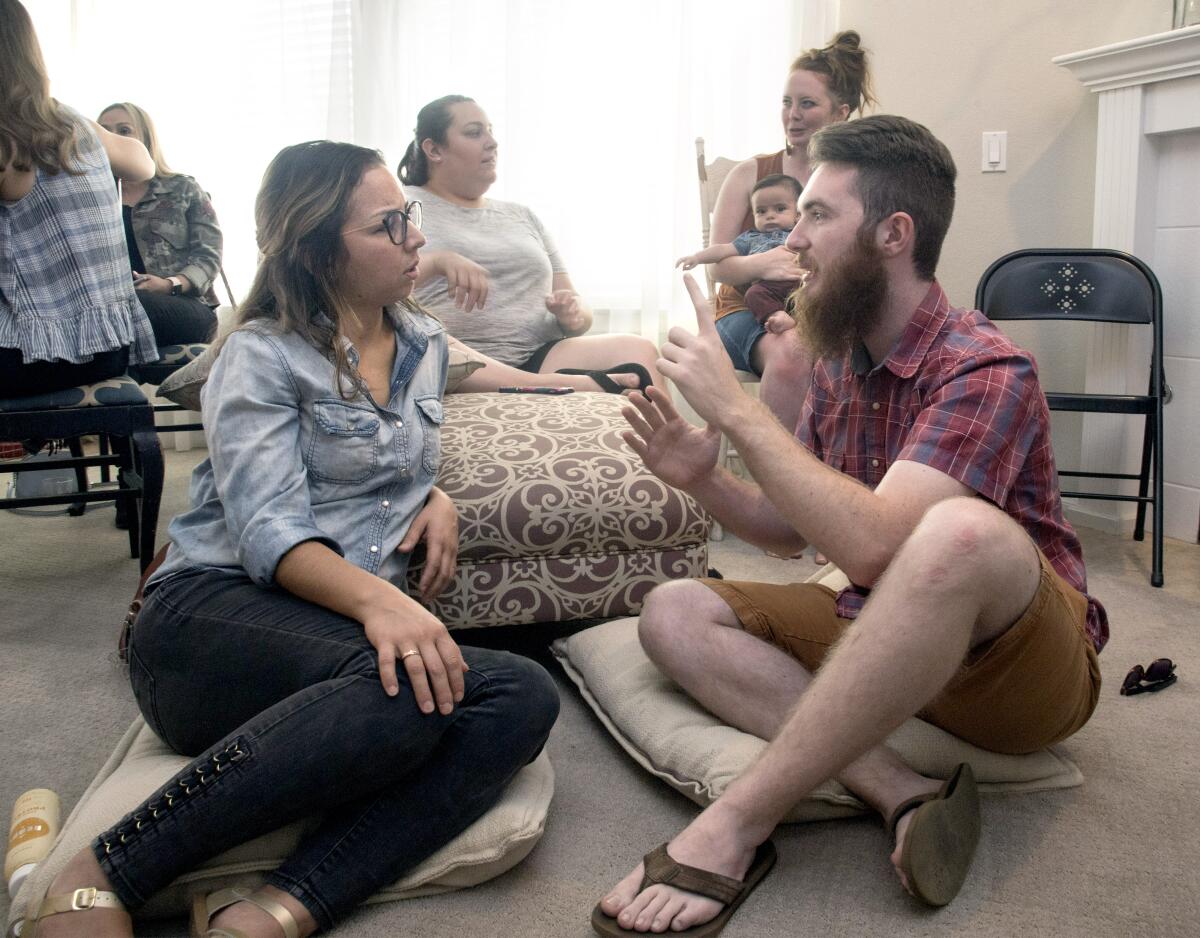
(779, 322)
(688, 262)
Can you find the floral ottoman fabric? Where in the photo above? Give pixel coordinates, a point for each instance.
(558, 518)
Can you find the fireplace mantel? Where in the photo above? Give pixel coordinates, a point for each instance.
(1147, 177)
(1161, 57)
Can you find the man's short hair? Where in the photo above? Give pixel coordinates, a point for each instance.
(779, 179)
(902, 167)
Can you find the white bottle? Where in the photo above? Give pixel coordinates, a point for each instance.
(32, 833)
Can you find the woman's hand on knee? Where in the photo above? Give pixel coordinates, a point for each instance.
(414, 637)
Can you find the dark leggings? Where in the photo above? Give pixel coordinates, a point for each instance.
(280, 703)
(21, 380)
(178, 320)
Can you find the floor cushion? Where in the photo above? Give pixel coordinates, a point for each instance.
(677, 740)
(142, 763)
(558, 518)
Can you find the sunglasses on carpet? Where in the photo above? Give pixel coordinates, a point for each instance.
(1158, 676)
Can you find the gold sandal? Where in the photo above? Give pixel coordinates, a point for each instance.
(205, 907)
(79, 900)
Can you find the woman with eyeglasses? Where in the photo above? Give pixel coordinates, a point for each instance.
(494, 276)
(172, 236)
(277, 646)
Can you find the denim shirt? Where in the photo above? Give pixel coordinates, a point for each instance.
(291, 461)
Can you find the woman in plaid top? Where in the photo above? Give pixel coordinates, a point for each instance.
(68, 311)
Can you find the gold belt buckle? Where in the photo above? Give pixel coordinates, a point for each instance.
(83, 899)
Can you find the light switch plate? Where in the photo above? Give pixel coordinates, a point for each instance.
(995, 151)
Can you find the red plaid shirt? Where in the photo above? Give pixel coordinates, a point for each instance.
(955, 394)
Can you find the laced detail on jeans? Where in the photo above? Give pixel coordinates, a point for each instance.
(181, 788)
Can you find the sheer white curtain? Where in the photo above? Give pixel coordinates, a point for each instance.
(596, 106)
(228, 83)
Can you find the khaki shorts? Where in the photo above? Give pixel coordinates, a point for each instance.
(1034, 685)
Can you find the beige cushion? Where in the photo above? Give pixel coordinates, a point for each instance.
(677, 740)
(182, 387)
(463, 361)
(142, 763)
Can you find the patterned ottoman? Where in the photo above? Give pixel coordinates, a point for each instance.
(558, 518)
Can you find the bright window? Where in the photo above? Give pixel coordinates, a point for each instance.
(596, 106)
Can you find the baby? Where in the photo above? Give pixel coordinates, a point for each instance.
(773, 201)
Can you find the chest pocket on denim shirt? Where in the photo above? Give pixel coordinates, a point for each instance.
(345, 442)
(430, 409)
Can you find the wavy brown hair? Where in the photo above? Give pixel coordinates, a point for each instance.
(843, 62)
(34, 130)
(299, 215)
(144, 130)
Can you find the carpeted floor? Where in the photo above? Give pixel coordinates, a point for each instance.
(1118, 856)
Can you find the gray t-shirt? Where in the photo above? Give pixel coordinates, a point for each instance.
(509, 242)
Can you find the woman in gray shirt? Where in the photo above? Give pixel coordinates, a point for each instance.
(493, 275)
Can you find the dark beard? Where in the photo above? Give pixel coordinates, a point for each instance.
(847, 303)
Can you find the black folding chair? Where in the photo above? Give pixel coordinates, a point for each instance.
(1096, 285)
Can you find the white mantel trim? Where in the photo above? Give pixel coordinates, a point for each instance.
(1174, 54)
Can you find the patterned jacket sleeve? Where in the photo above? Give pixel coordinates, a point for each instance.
(204, 240)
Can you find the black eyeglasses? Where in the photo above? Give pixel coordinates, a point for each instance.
(396, 222)
(1158, 676)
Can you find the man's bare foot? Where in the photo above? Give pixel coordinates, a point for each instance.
(661, 908)
(928, 785)
(83, 871)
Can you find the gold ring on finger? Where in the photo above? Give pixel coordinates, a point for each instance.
(411, 651)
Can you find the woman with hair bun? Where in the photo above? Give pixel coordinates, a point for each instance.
(823, 86)
(493, 274)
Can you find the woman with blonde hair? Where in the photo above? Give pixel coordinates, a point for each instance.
(823, 86)
(172, 236)
(68, 311)
(277, 646)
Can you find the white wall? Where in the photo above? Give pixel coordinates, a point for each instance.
(968, 66)
(1176, 249)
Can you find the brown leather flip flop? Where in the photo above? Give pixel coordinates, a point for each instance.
(941, 837)
(660, 868)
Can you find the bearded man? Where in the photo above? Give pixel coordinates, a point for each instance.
(922, 467)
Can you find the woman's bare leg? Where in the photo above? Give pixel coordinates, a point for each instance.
(597, 352)
(592, 352)
(786, 365)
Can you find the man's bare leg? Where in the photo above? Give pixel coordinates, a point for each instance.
(964, 576)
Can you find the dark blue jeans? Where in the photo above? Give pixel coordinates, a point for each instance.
(280, 703)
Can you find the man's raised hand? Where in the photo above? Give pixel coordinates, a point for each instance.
(674, 450)
(699, 364)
